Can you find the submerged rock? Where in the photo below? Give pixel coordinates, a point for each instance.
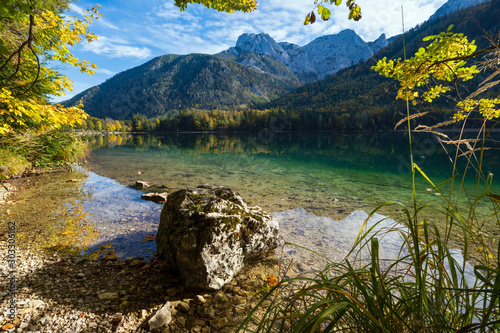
(208, 232)
(159, 198)
(142, 185)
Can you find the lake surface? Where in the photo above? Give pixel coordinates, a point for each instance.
(325, 174)
(312, 182)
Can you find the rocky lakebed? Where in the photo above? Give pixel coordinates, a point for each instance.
(78, 254)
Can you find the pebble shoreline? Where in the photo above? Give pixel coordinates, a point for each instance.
(56, 292)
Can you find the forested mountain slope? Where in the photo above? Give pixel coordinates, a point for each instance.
(170, 83)
(367, 99)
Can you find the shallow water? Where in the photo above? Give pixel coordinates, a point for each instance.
(325, 174)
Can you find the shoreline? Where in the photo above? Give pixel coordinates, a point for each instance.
(55, 290)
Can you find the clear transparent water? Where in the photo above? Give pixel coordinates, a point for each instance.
(324, 173)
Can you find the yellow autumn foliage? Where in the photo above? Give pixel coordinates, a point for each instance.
(33, 35)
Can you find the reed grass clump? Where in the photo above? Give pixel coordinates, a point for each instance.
(21, 153)
(427, 287)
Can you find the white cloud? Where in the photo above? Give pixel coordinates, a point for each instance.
(114, 48)
(164, 28)
(80, 11)
(105, 71)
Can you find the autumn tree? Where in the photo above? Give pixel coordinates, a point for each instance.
(320, 7)
(33, 36)
(436, 69)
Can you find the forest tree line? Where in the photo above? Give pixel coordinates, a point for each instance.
(245, 120)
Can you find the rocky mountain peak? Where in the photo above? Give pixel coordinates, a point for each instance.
(321, 57)
(379, 43)
(261, 44)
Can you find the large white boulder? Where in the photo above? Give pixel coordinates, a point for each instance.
(208, 233)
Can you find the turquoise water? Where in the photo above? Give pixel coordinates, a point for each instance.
(370, 168)
(324, 174)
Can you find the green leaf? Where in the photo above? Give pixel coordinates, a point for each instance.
(3, 48)
(338, 2)
(326, 14)
(449, 28)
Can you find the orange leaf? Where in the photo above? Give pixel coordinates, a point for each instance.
(81, 315)
(66, 232)
(272, 281)
(9, 325)
(150, 237)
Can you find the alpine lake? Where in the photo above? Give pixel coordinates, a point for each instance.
(96, 207)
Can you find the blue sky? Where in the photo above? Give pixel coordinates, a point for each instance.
(132, 32)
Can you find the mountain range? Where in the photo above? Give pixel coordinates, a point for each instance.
(260, 72)
(318, 59)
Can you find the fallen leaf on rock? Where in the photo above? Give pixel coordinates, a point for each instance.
(148, 238)
(81, 315)
(110, 256)
(117, 320)
(64, 270)
(10, 324)
(66, 232)
(272, 281)
(7, 326)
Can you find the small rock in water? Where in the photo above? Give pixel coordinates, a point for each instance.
(108, 296)
(158, 198)
(141, 185)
